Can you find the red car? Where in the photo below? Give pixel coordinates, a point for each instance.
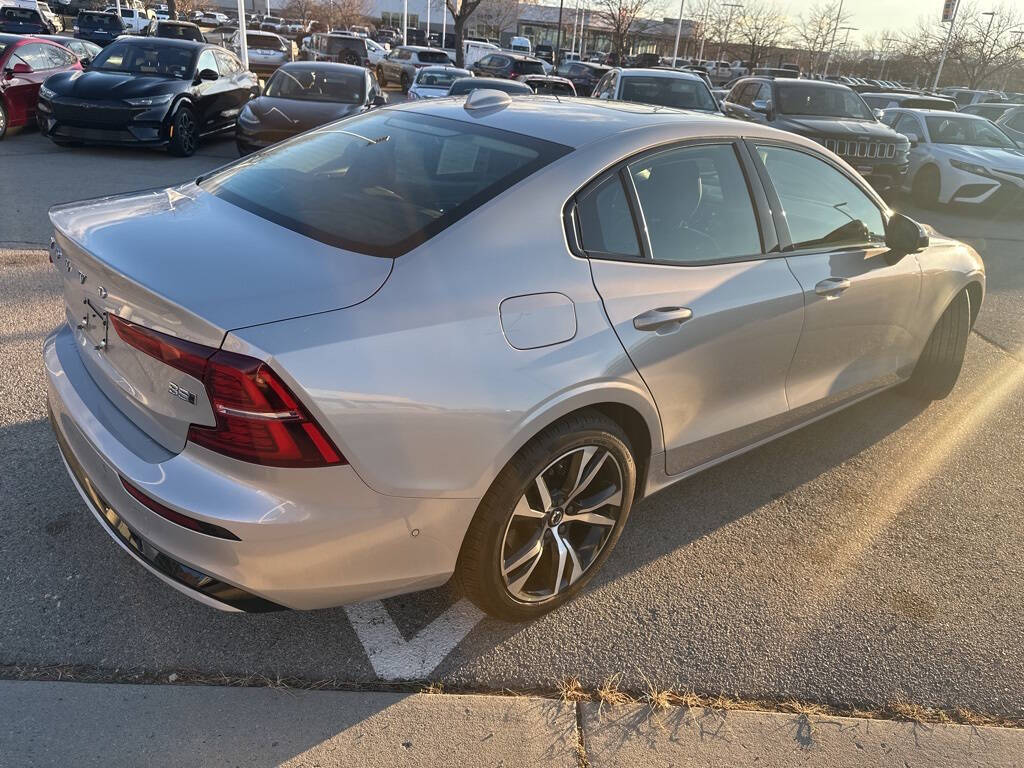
(25, 62)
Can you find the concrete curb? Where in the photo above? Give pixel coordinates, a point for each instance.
(116, 725)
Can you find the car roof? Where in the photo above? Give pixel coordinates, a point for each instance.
(176, 23)
(168, 42)
(574, 121)
(442, 68)
(941, 112)
(551, 78)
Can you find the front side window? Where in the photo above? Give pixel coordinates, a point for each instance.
(907, 124)
(36, 56)
(207, 61)
(823, 207)
(696, 204)
(383, 182)
(606, 223)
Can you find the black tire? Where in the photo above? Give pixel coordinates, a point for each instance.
(481, 572)
(3, 122)
(184, 133)
(925, 188)
(381, 80)
(942, 358)
(405, 82)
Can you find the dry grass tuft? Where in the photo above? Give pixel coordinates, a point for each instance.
(433, 688)
(570, 690)
(610, 695)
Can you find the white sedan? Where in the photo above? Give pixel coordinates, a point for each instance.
(958, 158)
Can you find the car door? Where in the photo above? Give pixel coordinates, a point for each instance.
(211, 95)
(697, 292)
(23, 88)
(860, 300)
(237, 89)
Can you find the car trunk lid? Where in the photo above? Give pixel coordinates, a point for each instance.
(186, 264)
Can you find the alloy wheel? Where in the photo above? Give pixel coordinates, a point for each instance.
(561, 524)
(187, 128)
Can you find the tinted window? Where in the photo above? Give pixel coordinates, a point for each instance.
(206, 61)
(432, 77)
(434, 57)
(668, 92)
(22, 15)
(317, 84)
(179, 31)
(821, 100)
(1016, 121)
(383, 182)
(549, 87)
(822, 206)
(606, 223)
(264, 42)
(99, 21)
(227, 63)
(528, 68)
(696, 204)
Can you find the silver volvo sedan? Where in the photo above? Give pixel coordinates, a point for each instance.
(464, 336)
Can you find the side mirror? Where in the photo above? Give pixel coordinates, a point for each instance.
(904, 235)
(379, 100)
(208, 74)
(85, 61)
(913, 138)
(20, 68)
(878, 114)
(764, 106)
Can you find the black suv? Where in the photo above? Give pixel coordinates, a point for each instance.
(507, 65)
(340, 48)
(98, 27)
(584, 75)
(831, 114)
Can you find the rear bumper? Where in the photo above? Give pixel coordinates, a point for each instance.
(311, 538)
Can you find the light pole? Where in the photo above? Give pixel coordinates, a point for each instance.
(832, 45)
(846, 42)
(428, 20)
(885, 47)
(945, 45)
(704, 30)
(728, 26)
(679, 30)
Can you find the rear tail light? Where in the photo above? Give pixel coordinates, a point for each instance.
(259, 420)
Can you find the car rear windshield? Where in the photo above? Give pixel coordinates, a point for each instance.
(19, 14)
(466, 84)
(821, 101)
(338, 44)
(317, 84)
(383, 182)
(551, 87)
(99, 20)
(439, 78)
(527, 67)
(668, 92)
(179, 31)
(434, 57)
(149, 58)
(265, 42)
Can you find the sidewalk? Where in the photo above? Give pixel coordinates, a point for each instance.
(85, 724)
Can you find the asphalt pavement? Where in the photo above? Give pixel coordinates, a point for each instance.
(869, 558)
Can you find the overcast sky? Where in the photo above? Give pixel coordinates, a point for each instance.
(876, 15)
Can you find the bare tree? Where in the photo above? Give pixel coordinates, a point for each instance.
(761, 26)
(983, 43)
(345, 13)
(816, 29)
(623, 19)
(712, 20)
(496, 16)
(460, 10)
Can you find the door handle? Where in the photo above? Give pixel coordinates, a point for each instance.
(655, 319)
(832, 287)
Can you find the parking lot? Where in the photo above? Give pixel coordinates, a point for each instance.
(871, 558)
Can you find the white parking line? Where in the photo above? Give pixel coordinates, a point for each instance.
(395, 658)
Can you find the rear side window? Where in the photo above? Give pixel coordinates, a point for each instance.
(823, 208)
(606, 223)
(528, 68)
(382, 183)
(696, 204)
